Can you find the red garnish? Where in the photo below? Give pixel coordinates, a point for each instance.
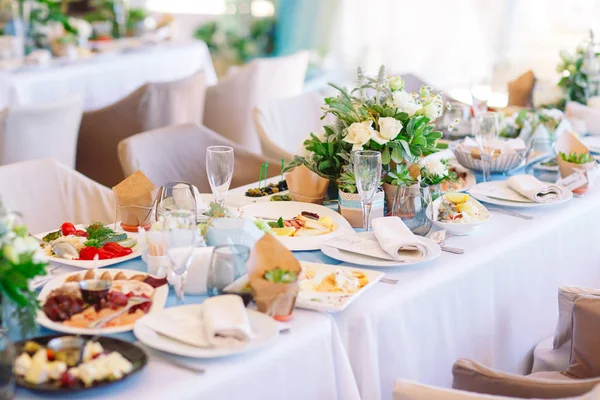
(310, 215)
(155, 282)
(67, 380)
(81, 233)
(113, 249)
(89, 253)
(50, 355)
(67, 229)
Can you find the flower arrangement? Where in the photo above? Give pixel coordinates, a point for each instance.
(21, 259)
(435, 171)
(377, 115)
(525, 122)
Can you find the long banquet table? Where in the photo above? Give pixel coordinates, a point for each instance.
(493, 304)
(107, 78)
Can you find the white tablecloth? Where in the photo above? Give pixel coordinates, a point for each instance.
(107, 78)
(306, 363)
(492, 304)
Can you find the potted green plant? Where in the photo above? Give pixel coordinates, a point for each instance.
(21, 260)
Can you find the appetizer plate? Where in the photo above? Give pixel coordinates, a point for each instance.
(367, 261)
(470, 179)
(132, 353)
(330, 302)
(457, 228)
(91, 264)
(264, 328)
(567, 195)
(158, 303)
(288, 210)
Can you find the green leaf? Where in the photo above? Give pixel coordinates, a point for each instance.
(397, 155)
(385, 156)
(405, 146)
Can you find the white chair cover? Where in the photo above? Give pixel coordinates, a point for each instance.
(283, 124)
(152, 106)
(229, 104)
(38, 131)
(48, 193)
(405, 390)
(178, 153)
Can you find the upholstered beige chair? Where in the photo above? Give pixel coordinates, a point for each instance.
(47, 193)
(283, 124)
(152, 106)
(38, 131)
(230, 103)
(178, 153)
(404, 390)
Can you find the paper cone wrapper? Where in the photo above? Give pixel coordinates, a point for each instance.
(306, 186)
(274, 299)
(569, 143)
(134, 198)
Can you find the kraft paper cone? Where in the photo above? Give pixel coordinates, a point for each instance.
(520, 90)
(569, 143)
(134, 197)
(306, 186)
(274, 299)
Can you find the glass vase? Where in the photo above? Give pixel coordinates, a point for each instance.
(7, 360)
(410, 204)
(17, 322)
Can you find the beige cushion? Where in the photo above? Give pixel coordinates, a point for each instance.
(474, 377)
(546, 358)
(284, 124)
(230, 103)
(404, 390)
(178, 153)
(520, 90)
(48, 193)
(38, 131)
(152, 106)
(585, 347)
(566, 298)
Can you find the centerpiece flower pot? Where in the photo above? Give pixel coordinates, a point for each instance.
(306, 186)
(350, 207)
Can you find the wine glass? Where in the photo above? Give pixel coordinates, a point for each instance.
(367, 172)
(175, 196)
(227, 265)
(184, 236)
(486, 135)
(219, 168)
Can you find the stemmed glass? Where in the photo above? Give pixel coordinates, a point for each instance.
(184, 236)
(486, 135)
(219, 168)
(367, 172)
(175, 196)
(228, 264)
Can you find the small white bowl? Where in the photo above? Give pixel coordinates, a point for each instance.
(456, 228)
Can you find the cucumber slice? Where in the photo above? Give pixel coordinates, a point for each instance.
(129, 242)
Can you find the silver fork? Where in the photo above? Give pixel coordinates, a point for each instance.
(442, 243)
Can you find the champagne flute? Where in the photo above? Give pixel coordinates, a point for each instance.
(367, 172)
(486, 135)
(184, 236)
(219, 168)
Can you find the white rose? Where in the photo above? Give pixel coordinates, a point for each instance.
(435, 167)
(432, 110)
(389, 128)
(396, 83)
(405, 102)
(359, 133)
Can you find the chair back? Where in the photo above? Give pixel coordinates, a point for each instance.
(47, 193)
(38, 131)
(178, 153)
(230, 103)
(152, 106)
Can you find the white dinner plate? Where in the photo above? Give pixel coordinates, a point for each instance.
(288, 210)
(331, 302)
(567, 195)
(90, 264)
(265, 330)
(158, 303)
(470, 179)
(367, 261)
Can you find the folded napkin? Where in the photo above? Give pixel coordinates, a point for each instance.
(535, 190)
(510, 146)
(221, 322)
(397, 240)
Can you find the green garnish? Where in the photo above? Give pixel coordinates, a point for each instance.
(281, 197)
(97, 230)
(114, 237)
(279, 275)
(52, 236)
(216, 211)
(575, 158)
(278, 224)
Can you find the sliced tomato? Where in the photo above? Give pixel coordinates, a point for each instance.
(116, 250)
(81, 233)
(67, 229)
(89, 253)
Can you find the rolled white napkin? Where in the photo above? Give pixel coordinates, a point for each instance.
(534, 189)
(222, 321)
(397, 240)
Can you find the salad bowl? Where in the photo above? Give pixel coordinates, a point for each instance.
(458, 225)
